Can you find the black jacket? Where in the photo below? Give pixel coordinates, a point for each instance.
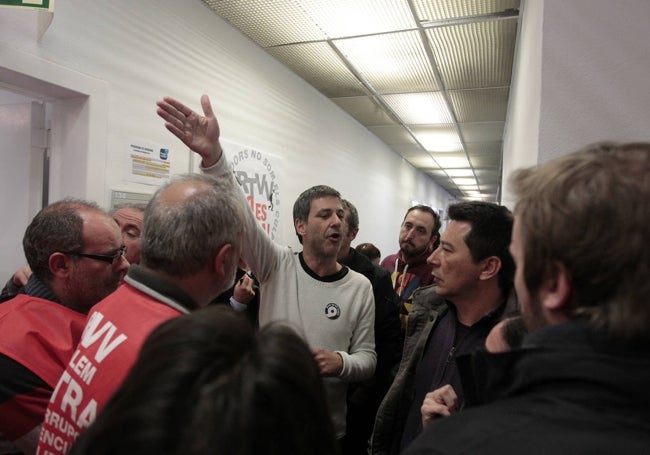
(568, 390)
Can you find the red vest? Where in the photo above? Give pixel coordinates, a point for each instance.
(116, 328)
(40, 335)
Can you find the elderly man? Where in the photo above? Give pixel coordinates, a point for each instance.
(329, 303)
(76, 254)
(580, 382)
(130, 219)
(190, 250)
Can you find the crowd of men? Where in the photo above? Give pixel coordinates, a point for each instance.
(507, 331)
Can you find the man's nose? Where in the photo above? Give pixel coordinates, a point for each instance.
(433, 257)
(122, 264)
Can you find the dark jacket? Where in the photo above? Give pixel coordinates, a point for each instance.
(364, 398)
(568, 390)
(428, 308)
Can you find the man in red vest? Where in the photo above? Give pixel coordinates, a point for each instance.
(76, 254)
(190, 249)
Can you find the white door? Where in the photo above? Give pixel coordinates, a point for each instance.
(22, 146)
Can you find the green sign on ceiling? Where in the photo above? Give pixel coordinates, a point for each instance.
(33, 4)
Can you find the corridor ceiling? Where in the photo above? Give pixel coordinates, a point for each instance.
(430, 78)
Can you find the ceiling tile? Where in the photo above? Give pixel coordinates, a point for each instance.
(369, 57)
(365, 110)
(431, 10)
(419, 108)
(341, 18)
(421, 160)
(390, 63)
(482, 132)
(438, 138)
(474, 55)
(266, 22)
(454, 160)
(393, 135)
(488, 158)
(479, 105)
(319, 65)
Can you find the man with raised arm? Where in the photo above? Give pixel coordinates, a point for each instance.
(331, 305)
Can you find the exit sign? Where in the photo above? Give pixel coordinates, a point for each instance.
(33, 4)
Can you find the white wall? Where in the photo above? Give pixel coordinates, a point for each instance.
(141, 50)
(521, 134)
(596, 60)
(581, 76)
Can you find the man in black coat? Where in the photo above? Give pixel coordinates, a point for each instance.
(364, 398)
(579, 384)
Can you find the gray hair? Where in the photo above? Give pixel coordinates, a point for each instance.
(180, 237)
(56, 228)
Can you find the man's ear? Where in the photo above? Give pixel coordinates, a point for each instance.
(555, 293)
(354, 233)
(59, 264)
(223, 260)
(432, 241)
(490, 267)
(300, 226)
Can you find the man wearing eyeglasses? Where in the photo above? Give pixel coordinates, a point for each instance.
(76, 254)
(191, 245)
(128, 217)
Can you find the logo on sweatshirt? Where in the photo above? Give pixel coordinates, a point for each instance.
(332, 311)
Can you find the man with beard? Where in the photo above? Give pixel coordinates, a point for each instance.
(331, 305)
(77, 257)
(579, 384)
(472, 272)
(190, 250)
(418, 237)
(129, 220)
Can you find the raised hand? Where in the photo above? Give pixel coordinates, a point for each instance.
(199, 132)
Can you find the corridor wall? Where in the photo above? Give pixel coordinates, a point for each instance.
(128, 54)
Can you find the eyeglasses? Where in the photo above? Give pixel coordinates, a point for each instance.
(109, 258)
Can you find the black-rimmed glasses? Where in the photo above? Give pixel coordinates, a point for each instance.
(110, 258)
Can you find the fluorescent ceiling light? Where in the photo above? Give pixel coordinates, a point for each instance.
(439, 142)
(464, 181)
(466, 188)
(420, 108)
(451, 161)
(478, 197)
(460, 172)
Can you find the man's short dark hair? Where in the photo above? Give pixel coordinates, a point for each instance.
(352, 219)
(490, 234)
(56, 228)
(302, 206)
(437, 223)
